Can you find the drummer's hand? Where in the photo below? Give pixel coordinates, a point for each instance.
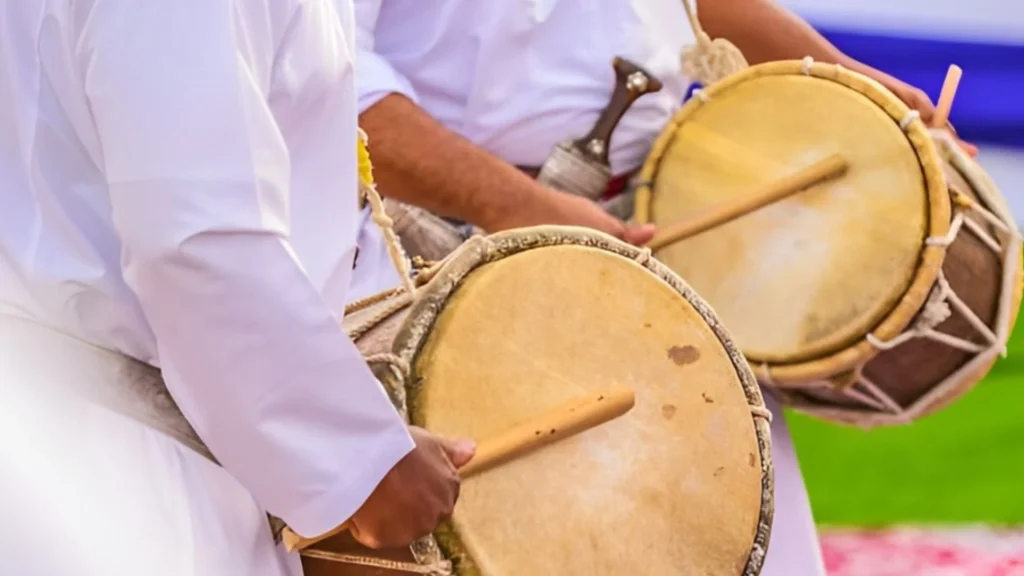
(416, 495)
(565, 209)
(578, 211)
(916, 99)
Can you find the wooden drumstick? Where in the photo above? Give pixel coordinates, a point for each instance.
(772, 192)
(949, 87)
(567, 420)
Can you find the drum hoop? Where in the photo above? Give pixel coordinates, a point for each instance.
(844, 357)
(478, 251)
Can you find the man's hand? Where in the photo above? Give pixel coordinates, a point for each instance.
(416, 495)
(916, 99)
(553, 207)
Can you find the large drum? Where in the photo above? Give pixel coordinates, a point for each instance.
(516, 323)
(871, 299)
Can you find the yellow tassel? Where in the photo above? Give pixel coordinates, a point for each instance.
(365, 165)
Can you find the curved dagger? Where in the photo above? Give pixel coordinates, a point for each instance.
(581, 166)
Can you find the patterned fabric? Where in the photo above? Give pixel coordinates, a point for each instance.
(919, 552)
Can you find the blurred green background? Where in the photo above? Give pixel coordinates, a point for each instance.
(964, 464)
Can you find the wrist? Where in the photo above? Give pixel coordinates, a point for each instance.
(510, 203)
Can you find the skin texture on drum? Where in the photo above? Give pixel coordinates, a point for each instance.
(673, 487)
(813, 273)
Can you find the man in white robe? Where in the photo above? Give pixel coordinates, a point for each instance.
(456, 93)
(178, 188)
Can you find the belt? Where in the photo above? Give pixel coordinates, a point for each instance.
(616, 186)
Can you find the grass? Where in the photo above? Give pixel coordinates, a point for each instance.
(962, 465)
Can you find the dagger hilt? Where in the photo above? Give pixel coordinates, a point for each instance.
(631, 82)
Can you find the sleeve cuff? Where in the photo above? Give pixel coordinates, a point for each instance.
(334, 507)
(377, 78)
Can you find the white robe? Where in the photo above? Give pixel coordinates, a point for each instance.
(179, 186)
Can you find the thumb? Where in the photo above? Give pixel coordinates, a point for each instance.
(639, 235)
(460, 451)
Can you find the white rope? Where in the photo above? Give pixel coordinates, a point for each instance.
(909, 119)
(806, 64)
(708, 61)
(380, 217)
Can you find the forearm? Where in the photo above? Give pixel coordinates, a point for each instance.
(419, 161)
(765, 31)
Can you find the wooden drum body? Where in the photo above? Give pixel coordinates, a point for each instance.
(516, 323)
(871, 299)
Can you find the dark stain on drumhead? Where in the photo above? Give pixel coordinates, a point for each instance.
(683, 355)
(668, 411)
(708, 399)
(751, 460)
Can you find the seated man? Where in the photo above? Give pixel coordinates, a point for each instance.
(178, 229)
(457, 93)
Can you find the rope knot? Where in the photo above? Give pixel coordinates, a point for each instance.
(708, 61)
(909, 118)
(806, 65)
(936, 309)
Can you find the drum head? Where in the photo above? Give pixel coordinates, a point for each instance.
(812, 274)
(679, 485)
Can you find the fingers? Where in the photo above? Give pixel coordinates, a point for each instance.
(639, 235)
(459, 451)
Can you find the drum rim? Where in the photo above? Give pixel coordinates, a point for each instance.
(842, 358)
(429, 303)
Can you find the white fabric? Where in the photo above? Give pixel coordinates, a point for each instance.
(179, 184)
(794, 548)
(518, 76)
(88, 492)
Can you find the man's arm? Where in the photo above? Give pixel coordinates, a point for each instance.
(765, 31)
(199, 186)
(421, 162)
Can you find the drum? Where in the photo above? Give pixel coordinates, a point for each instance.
(871, 299)
(518, 322)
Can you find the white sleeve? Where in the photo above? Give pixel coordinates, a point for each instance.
(199, 185)
(375, 76)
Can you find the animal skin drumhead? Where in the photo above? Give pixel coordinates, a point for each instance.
(814, 273)
(673, 487)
